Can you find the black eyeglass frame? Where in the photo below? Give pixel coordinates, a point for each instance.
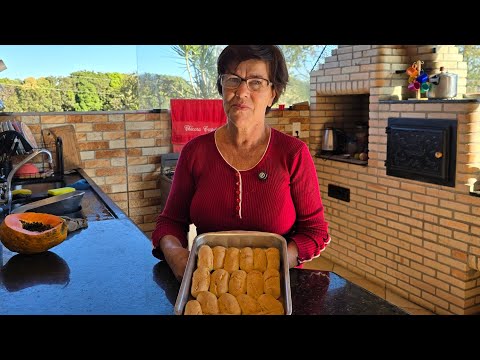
(220, 78)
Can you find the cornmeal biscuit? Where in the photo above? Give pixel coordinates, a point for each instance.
(218, 257)
(273, 258)
(200, 281)
(246, 259)
(219, 282)
(193, 307)
(228, 305)
(205, 257)
(238, 283)
(249, 305)
(231, 259)
(270, 305)
(259, 259)
(255, 283)
(271, 282)
(208, 302)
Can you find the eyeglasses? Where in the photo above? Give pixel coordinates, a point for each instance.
(230, 81)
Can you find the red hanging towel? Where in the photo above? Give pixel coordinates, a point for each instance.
(194, 117)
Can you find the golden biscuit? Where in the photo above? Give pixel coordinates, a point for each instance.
(270, 305)
(259, 259)
(208, 302)
(228, 305)
(246, 259)
(231, 259)
(238, 283)
(205, 257)
(193, 308)
(273, 258)
(249, 305)
(271, 282)
(200, 281)
(255, 283)
(219, 282)
(218, 257)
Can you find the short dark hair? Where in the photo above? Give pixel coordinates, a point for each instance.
(233, 55)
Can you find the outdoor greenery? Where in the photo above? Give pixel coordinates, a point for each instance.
(95, 91)
(471, 55)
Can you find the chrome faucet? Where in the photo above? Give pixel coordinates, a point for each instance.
(6, 187)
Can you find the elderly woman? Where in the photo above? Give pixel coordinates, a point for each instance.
(245, 175)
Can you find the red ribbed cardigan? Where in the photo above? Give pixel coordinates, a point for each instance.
(213, 195)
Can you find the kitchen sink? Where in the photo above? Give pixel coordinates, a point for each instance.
(63, 204)
(78, 204)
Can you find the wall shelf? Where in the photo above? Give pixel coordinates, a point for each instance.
(342, 158)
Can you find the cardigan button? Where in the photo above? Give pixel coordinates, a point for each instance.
(262, 175)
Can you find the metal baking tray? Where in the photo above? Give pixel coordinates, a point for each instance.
(238, 239)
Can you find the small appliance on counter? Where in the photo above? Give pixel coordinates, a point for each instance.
(333, 141)
(443, 85)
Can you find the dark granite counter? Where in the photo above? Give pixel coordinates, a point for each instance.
(430, 101)
(108, 268)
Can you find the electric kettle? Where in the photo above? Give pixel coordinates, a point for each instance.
(333, 141)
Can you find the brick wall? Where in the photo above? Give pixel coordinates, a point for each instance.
(419, 240)
(121, 151)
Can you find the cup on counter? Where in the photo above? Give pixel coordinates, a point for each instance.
(422, 78)
(412, 79)
(281, 106)
(414, 86)
(412, 70)
(425, 87)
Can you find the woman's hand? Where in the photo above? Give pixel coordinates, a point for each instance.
(175, 255)
(177, 260)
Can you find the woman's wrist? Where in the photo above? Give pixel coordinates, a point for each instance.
(292, 254)
(175, 255)
(169, 242)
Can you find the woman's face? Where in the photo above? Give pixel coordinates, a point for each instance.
(246, 107)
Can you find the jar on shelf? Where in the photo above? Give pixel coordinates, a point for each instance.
(361, 136)
(352, 147)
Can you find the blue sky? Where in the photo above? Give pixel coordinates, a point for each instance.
(24, 61)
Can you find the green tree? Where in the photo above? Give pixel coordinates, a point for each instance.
(38, 95)
(9, 94)
(66, 88)
(298, 90)
(87, 98)
(200, 62)
(129, 92)
(301, 58)
(155, 91)
(471, 55)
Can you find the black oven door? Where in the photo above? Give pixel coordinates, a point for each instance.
(422, 150)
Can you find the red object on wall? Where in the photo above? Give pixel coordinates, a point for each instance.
(194, 117)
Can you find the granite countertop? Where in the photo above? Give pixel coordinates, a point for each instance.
(108, 268)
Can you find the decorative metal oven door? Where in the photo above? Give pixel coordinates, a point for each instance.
(422, 150)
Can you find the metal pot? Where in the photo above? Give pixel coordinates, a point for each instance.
(444, 85)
